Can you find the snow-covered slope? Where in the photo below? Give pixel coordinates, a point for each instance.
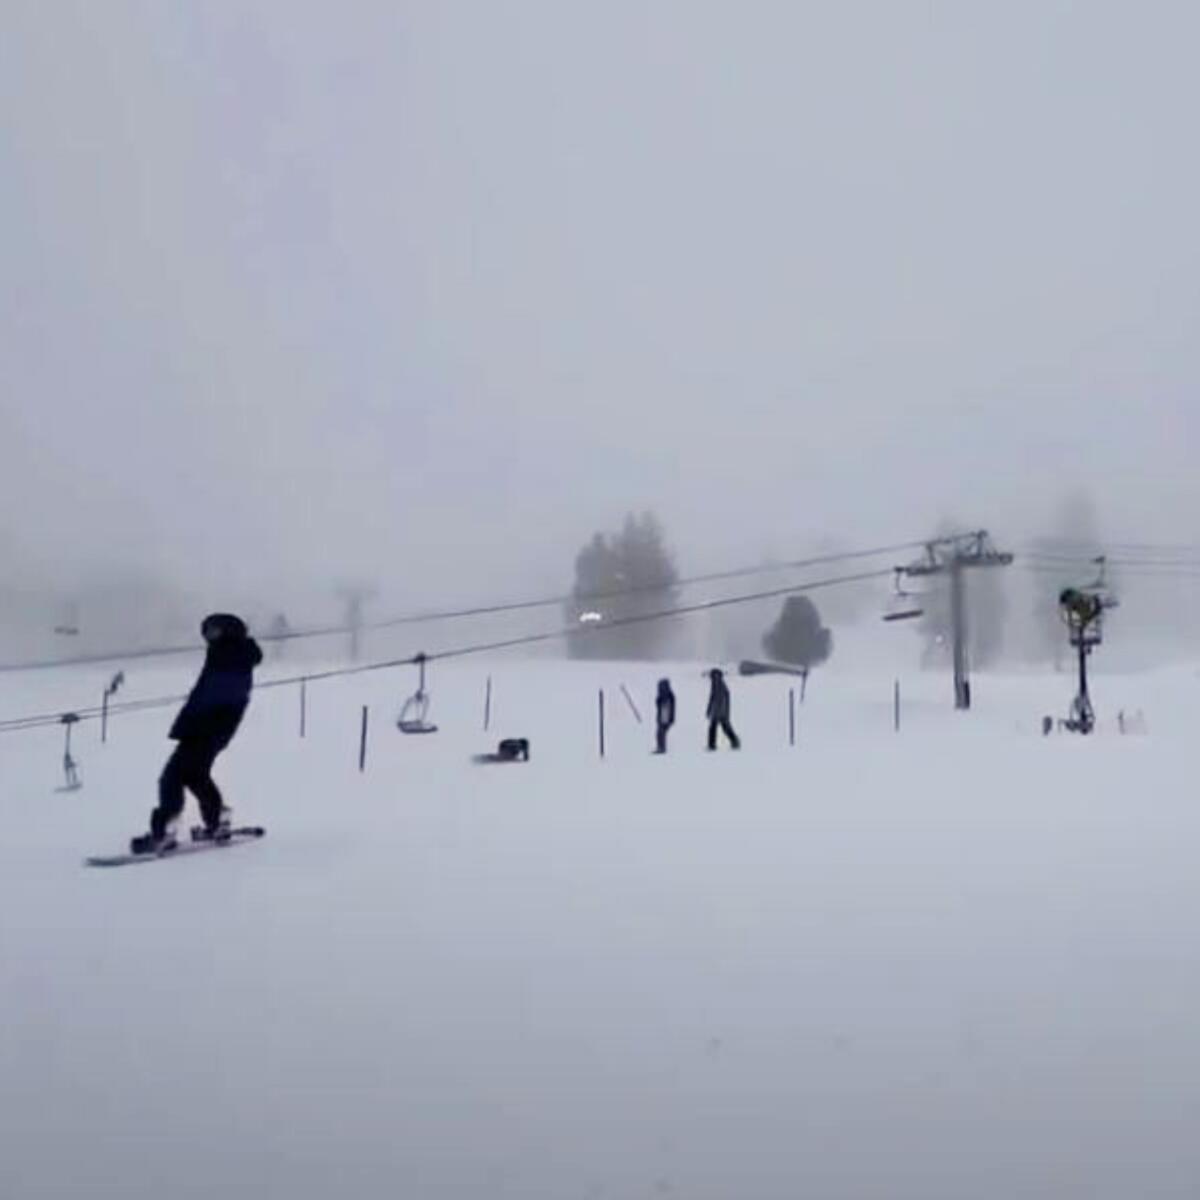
(957, 962)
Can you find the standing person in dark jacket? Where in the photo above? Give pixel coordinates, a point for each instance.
(664, 715)
(204, 727)
(718, 711)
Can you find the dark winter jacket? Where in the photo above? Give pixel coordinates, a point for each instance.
(664, 705)
(718, 700)
(216, 703)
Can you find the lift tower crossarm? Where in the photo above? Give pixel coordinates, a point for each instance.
(953, 556)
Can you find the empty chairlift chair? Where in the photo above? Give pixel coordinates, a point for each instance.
(903, 605)
(414, 715)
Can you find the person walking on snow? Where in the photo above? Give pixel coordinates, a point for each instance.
(204, 727)
(718, 711)
(664, 715)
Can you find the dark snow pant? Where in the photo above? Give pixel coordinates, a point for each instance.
(722, 723)
(660, 738)
(189, 767)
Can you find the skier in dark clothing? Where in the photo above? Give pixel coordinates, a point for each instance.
(664, 715)
(204, 727)
(718, 711)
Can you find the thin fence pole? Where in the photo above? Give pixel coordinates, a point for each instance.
(104, 718)
(487, 705)
(896, 706)
(633, 708)
(303, 707)
(791, 716)
(362, 743)
(601, 722)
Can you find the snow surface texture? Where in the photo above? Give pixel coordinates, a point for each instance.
(956, 963)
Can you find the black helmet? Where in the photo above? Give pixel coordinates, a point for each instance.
(220, 625)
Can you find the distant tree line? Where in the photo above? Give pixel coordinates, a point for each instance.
(631, 573)
(627, 574)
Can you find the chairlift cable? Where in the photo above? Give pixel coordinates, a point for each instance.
(478, 610)
(17, 724)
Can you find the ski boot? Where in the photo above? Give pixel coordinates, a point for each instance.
(222, 831)
(153, 843)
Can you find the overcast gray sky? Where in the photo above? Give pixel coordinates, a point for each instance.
(427, 292)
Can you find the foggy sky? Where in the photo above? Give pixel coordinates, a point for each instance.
(425, 293)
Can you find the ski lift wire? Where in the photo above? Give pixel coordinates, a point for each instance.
(18, 724)
(453, 614)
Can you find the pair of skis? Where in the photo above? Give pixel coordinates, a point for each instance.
(201, 840)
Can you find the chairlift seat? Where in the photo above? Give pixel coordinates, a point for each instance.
(903, 605)
(907, 613)
(414, 716)
(416, 727)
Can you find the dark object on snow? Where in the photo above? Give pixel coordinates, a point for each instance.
(750, 667)
(664, 715)
(718, 711)
(208, 720)
(633, 708)
(509, 750)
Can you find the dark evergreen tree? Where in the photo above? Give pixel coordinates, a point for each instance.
(798, 637)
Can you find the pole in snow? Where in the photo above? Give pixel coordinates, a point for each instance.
(362, 742)
(791, 716)
(487, 705)
(601, 722)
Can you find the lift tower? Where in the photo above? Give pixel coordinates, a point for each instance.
(355, 596)
(953, 557)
